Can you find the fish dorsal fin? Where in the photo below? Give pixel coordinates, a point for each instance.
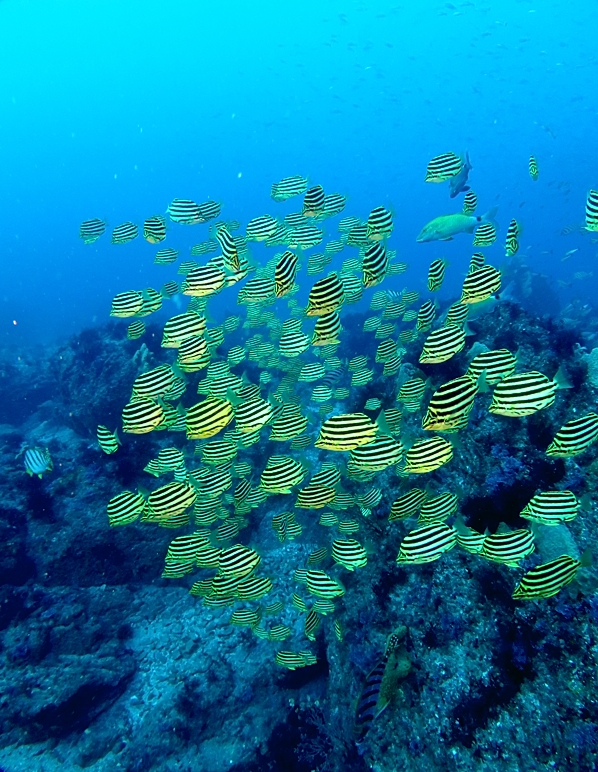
(561, 380)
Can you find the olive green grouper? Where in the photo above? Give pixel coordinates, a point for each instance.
(446, 226)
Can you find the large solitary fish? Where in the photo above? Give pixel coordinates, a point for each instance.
(446, 226)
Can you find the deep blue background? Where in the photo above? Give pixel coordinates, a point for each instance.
(110, 109)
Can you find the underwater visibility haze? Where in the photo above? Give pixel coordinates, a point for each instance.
(298, 383)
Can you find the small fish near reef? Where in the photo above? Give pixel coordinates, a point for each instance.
(381, 684)
(37, 461)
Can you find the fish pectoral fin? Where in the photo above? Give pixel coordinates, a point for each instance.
(448, 238)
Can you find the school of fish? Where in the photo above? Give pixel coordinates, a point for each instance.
(285, 379)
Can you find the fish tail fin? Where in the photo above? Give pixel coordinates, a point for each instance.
(482, 382)
(429, 491)
(309, 465)
(585, 502)
(456, 441)
(178, 372)
(561, 380)
(382, 424)
(517, 356)
(490, 216)
(586, 558)
(536, 528)
(233, 397)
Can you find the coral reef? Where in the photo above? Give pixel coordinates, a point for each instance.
(106, 666)
(592, 363)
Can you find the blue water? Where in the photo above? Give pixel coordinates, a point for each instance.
(111, 109)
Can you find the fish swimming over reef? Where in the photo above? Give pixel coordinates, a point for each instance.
(381, 684)
(37, 461)
(523, 394)
(108, 441)
(547, 580)
(446, 226)
(574, 437)
(294, 371)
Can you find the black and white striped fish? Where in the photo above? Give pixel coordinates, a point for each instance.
(38, 461)
(379, 223)
(229, 249)
(154, 229)
(209, 210)
(443, 167)
(288, 187)
(512, 242)
(313, 201)
(91, 230)
(124, 233)
(184, 211)
(592, 211)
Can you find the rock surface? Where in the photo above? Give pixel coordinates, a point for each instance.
(106, 666)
